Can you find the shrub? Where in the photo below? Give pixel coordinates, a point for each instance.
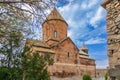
(4, 74)
(106, 76)
(86, 77)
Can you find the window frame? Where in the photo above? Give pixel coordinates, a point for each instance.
(55, 34)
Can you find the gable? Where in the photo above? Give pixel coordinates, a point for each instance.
(66, 45)
(37, 43)
(38, 46)
(66, 50)
(69, 42)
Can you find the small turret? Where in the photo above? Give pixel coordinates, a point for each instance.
(84, 48)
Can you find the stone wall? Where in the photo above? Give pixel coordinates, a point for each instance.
(113, 29)
(87, 61)
(52, 26)
(66, 53)
(64, 66)
(100, 73)
(77, 77)
(67, 70)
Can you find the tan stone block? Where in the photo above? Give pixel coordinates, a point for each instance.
(110, 26)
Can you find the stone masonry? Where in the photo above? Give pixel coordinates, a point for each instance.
(100, 72)
(69, 60)
(113, 29)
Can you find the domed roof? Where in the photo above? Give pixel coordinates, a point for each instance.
(84, 47)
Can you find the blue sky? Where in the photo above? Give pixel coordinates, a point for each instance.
(87, 23)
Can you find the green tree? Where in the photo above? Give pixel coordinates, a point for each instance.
(10, 60)
(35, 67)
(4, 73)
(17, 18)
(86, 77)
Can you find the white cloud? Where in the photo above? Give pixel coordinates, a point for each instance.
(88, 4)
(102, 63)
(84, 18)
(95, 41)
(84, 6)
(99, 15)
(67, 11)
(69, 15)
(92, 3)
(78, 28)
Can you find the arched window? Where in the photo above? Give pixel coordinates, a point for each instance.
(112, 51)
(55, 34)
(68, 55)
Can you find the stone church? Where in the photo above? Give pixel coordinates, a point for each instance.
(113, 41)
(69, 60)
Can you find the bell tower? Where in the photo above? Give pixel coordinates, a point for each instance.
(54, 28)
(84, 48)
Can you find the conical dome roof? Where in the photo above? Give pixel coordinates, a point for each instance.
(55, 15)
(84, 47)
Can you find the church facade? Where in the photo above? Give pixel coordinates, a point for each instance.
(69, 60)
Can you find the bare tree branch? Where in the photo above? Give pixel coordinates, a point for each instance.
(22, 1)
